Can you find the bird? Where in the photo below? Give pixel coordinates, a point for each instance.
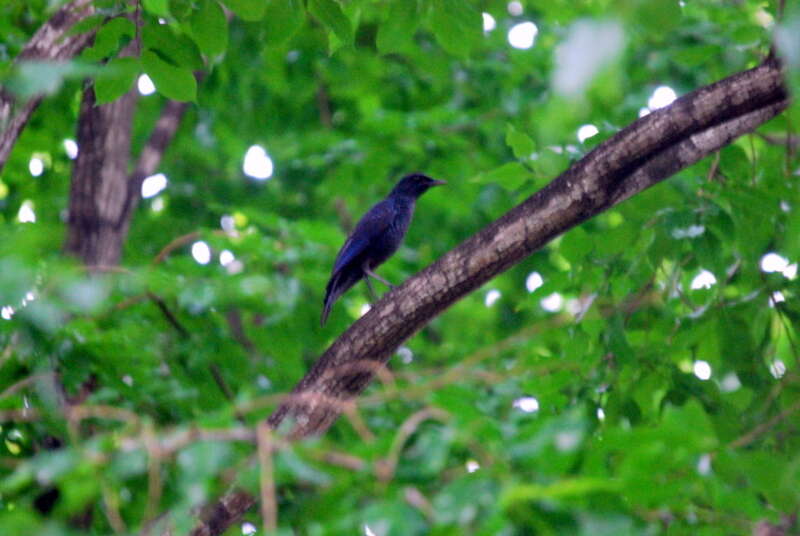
(375, 238)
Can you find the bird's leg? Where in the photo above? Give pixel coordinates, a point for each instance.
(371, 290)
(370, 273)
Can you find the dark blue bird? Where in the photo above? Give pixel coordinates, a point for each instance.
(376, 237)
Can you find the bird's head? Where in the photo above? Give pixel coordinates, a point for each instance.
(415, 185)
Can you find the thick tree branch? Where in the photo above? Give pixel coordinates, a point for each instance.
(646, 152)
(641, 155)
(224, 513)
(50, 42)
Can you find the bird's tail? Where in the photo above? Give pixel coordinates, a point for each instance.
(327, 303)
(339, 284)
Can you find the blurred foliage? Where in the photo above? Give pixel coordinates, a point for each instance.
(621, 396)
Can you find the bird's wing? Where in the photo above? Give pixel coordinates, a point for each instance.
(374, 223)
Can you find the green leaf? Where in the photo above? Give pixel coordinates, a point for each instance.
(108, 40)
(549, 163)
(510, 176)
(250, 10)
(115, 79)
(176, 48)
(84, 25)
(173, 82)
(568, 488)
(459, 501)
(282, 20)
(696, 56)
(575, 245)
(210, 28)
(657, 16)
(160, 8)
(397, 30)
(180, 9)
(457, 26)
(521, 144)
(792, 244)
(331, 15)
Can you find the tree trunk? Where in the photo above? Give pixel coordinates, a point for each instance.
(99, 192)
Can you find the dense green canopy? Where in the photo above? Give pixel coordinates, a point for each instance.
(638, 375)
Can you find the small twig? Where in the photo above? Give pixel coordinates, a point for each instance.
(154, 484)
(111, 509)
(756, 432)
(172, 442)
(351, 412)
(269, 509)
(324, 104)
(405, 431)
(712, 172)
(386, 377)
(415, 498)
(75, 413)
(20, 415)
(171, 318)
(788, 141)
(468, 364)
(23, 383)
(234, 319)
(632, 304)
(175, 244)
(220, 381)
(341, 459)
(179, 242)
(128, 302)
(151, 154)
(81, 412)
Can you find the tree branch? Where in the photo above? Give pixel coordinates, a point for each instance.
(224, 513)
(641, 155)
(50, 42)
(151, 155)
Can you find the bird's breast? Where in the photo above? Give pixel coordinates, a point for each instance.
(387, 242)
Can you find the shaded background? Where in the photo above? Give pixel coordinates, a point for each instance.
(636, 376)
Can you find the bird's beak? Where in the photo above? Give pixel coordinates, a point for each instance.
(438, 183)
